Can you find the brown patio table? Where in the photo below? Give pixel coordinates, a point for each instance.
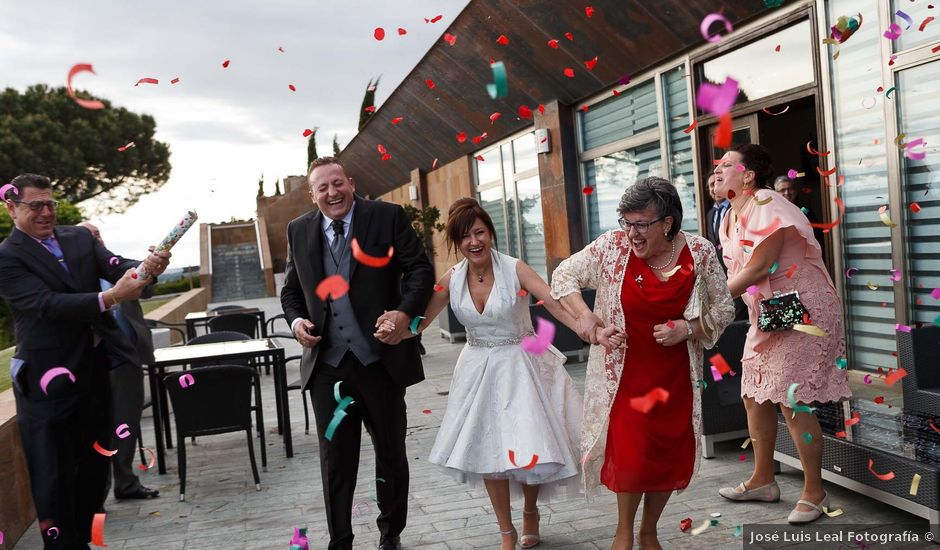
(263, 351)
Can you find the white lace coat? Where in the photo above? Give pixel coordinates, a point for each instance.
(601, 265)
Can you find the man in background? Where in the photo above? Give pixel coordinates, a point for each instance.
(791, 191)
(127, 392)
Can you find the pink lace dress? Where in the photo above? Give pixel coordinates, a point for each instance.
(774, 360)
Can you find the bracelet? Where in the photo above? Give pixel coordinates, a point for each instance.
(688, 330)
(114, 301)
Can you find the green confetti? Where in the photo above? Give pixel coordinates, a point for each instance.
(414, 324)
(808, 438)
(793, 405)
(714, 522)
(704, 384)
(737, 530)
(773, 268)
(338, 414)
(773, 3)
(936, 321)
(842, 363)
(500, 87)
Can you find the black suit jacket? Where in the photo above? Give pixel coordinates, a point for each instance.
(405, 284)
(710, 226)
(56, 313)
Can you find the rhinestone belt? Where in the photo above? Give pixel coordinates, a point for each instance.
(477, 343)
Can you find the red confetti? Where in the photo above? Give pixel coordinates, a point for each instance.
(126, 147)
(402, 32)
(915, 208)
(524, 112)
(840, 435)
(731, 192)
(461, 137)
(541, 108)
(426, 411)
(924, 23)
(691, 127)
(450, 38)
(386, 156)
(101, 450)
(370, 109)
(540, 302)
(495, 116)
(397, 119)
(723, 135)
(307, 132)
(720, 364)
(379, 33)
(935, 49)
(291, 87)
(97, 529)
(671, 324)
(479, 138)
(587, 190)
(569, 36)
(85, 103)
(932, 426)
(645, 404)
(435, 19)
(522, 293)
(480, 158)
(893, 377)
(371, 261)
(280, 49)
(147, 81)
(685, 524)
(879, 399)
(830, 225)
(430, 84)
(502, 40)
(529, 466)
(615, 92)
(434, 164)
(791, 271)
(589, 64)
(747, 242)
(883, 477)
(589, 11)
(133, 275)
(438, 288)
(333, 287)
(175, 80)
(777, 49)
(553, 43)
(742, 458)
(381, 148)
(827, 172)
(569, 72)
(810, 150)
(856, 418)
(584, 108)
(225, 63)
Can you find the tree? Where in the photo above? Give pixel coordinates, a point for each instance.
(312, 147)
(336, 149)
(368, 100)
(261, 186)
(277, 187)
(43, 131)
(424, 222)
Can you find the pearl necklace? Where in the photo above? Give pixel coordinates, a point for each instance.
(669, 261)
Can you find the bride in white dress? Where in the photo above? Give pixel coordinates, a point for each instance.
(512, 417)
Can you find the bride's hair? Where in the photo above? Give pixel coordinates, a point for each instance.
(460, 217)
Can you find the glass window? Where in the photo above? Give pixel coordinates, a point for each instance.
(761, 71)
(493, 202)
(619, 117)
(861, 155)
(681, 165)
(610, 176)
(533, 233)
(488, 170)
(913, 37)
(919, 117)
(524, 153)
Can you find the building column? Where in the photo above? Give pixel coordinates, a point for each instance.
(560, 186)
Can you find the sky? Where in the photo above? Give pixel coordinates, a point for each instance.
(225, 126)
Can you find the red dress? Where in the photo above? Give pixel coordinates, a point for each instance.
(654, 451)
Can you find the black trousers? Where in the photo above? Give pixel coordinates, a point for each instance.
(127, 403)
(380, 403)
(67, 475)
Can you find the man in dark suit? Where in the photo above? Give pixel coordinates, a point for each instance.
(127, 392)
(344, 354)
(66, 342)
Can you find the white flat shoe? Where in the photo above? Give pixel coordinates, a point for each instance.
(799, 518)
(764, 493)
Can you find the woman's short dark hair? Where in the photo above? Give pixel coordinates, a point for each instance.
(28, 180)
(757, 158)
(655, 192)
(461, 216)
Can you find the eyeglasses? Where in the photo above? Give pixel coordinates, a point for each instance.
(37, 206)
(641, 227)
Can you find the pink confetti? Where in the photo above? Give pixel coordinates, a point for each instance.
(544, 335)
(902, 328)
(893, 32)
(126, 147)
(186, 380)
(718, 100)
(123, 431)
(715, 374)
(52, 373)
(8, 187)
(707, 22)
(753, 289)
(895, 275)
(85, 103)
(147, 81)
(867, 379)
(935, 293)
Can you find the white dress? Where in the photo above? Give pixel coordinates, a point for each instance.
(503, 398)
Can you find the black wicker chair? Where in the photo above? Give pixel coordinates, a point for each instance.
(232, 307)
(218, 401)
(294, 386)
(918, 351)
(277, 334)
(723, 414)
(235, 322)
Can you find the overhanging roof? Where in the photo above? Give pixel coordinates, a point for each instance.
(628, 37)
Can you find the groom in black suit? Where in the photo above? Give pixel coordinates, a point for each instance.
(66, 343)
(344, 352)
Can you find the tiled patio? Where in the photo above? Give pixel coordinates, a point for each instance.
(223, 511)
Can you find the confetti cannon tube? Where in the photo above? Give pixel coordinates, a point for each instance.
(172, 238)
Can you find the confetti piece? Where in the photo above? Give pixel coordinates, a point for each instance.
(426, 411)
(379, 33)
(841, 363)
(524, 112)
(97, 530)
(293, 88)
(402, 32)
(587, 190)
(872, 286)
(671, 272)
(893, 377)
(225, 63)
(915, 484)
(334, 287)
(883, 477)
(589, 11)
(544, 335)
(915, 208)
(147, 81)
(300, 541)
(879, 399)
(793, 174)
(85, 103)
(701, 528)
(685, 524)
(500, 86)
(371, 261)
(707, 22)
(438, 288)
(461, 137)
(856, 418)
(737, 528)
(895, 275)
(186, 380)
(827, 172)
(541, 108)
(430, 84)
(701, 382)
(888, 93)
(569, 72)
(893, 32)
(126, 147)
(935, 293)
(434, 19)
(718, 100)
(716, 376)
(915, 155)
(123, 431)
(522, 293)
(812, 151)
(553, 43)
(773, 268)
(307, 132)
(691, 127)
(480, 158)
(742, 458)
(791, 397)
(722, 138)
(153, 459)
(833, 513)
(771, 113)
(502, 40)
(808, 438)
(907, 19)
(773, 226)
(49, 532)
(339, 413)
(101, 450)
(450, 38)
(720, 364)
(840, 435)
(52, 373)
(646, 402)
(885, 219)
(590, 63)
(811, 329)
(529, 466)
(902, 328)
(837, 221)
(924, 23)
(8, 187)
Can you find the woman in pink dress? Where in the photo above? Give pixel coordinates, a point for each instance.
(769, 248)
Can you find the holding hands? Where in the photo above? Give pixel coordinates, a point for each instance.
(392, 327)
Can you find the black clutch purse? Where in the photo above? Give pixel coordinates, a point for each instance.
(781, 312)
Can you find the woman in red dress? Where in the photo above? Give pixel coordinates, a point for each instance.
(642, 409)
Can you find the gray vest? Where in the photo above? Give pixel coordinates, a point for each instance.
(342, 329)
